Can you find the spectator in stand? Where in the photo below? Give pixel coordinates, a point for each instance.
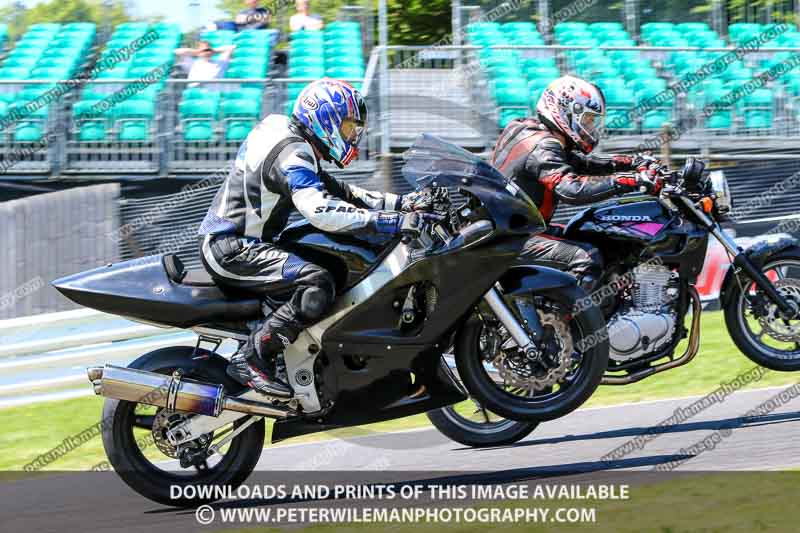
(253, 17)
(200, 62)
(304, 19)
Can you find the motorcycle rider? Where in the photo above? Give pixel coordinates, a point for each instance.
(277, 170)
(549, 158)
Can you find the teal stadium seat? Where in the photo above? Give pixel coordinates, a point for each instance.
(757, 109)
(345, 73)
(199, 93)
(134, 120)
(239, 116)
(737, 71)
(256, 67)
(115, 73)
(618, 120)
(14, 73)
(197, 118)
(149, 93)
(792, 85)
(758, 120)
(720, 120)
(511, 95)
(546, 74)
(91, 126)
(535, 90)
(507, 115)
(504, 71)
(244, 94)
(31, 128)
(57, 62)
(20, 62)
(655, 119)
(45, 73)
(539, 62)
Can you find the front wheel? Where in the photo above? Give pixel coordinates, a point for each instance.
(566, 370)
(754, 322)
(471, 424)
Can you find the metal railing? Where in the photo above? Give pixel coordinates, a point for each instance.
(43, 358)
(165, 148)
(458, 102)
(460, 66)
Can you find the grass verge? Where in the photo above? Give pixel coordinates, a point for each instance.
(29, 431)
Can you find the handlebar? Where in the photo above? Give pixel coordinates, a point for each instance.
(416, 223)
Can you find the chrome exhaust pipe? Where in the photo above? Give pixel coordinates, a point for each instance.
(173, 392)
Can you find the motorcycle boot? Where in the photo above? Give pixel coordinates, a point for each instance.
(254, 365)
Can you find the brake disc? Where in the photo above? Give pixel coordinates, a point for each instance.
(776, 326)
(166, 420)
(516, 376)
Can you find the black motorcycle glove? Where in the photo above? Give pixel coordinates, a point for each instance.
(424, 200)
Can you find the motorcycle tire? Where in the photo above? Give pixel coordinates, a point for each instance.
(141, 474)
(588, 327)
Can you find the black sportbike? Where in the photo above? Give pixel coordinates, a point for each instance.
(654, 249)
(173, 417)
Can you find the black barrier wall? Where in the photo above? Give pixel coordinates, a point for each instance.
(77, 227)
(50, 235)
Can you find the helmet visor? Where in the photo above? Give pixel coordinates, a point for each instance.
(352, 130)
(590, 125)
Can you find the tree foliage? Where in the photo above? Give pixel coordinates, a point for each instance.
(418, 21)
(410, 21)
(328, 9)
(100, 12)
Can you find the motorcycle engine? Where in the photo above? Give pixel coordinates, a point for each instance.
(645, 321)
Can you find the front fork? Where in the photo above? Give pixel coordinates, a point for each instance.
(495, 301)
(743, 262)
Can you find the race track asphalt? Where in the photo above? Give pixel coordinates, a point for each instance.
(569, 448)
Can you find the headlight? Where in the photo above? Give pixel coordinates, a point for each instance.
(719, 186)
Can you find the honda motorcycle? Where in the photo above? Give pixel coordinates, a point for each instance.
(654, 249)
(173, 417)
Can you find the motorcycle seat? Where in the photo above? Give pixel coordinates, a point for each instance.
(178, 273)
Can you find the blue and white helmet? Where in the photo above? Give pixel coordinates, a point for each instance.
(336, 114)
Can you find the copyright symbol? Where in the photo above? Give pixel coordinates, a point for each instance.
(204, 515)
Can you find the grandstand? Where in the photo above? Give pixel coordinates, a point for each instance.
(335, 51)
(45, 54)
(634, 73)
(171, 126)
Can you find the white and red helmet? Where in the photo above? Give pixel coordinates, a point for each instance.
(574, 107)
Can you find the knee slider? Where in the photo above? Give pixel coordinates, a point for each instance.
(314, 302)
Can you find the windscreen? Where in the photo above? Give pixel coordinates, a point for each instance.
(432, 159)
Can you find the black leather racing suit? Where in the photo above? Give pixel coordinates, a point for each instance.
(276, 173)
(535, 159)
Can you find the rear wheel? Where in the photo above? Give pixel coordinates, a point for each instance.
(471, 424)
(135, 443)
(535, 387)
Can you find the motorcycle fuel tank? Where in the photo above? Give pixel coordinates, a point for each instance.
(639, 220)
